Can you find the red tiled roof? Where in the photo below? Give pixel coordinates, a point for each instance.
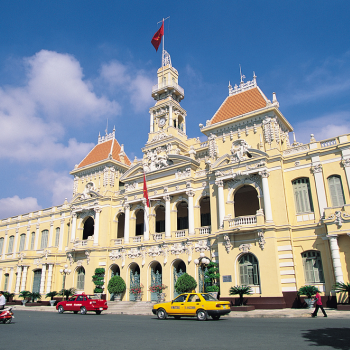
(241, 103)
(101, 152)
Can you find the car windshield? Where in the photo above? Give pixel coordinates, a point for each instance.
(93, 297)
(208, 297)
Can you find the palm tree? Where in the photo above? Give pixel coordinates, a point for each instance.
(35, 296)
(342, 287)
(241, 290)
(67, 292)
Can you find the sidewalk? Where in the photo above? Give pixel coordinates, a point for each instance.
(275, 313)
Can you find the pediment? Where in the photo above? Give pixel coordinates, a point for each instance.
(86, 196)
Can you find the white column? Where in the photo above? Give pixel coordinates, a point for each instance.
(18, 279)
(346, 164)
(190, 195)
(24, 278)
(10, 280)
(127, 223)
(74, 226)
(60, 244)
(42, 281)
(145, 221)
(221, 201)
(151, 123)
(36, 243)
(338, 273)
(321, 194)
(266, 193)
(27, 238)
(170, 115)
(15, 243)
(50, 235)
(49, 279)
(167, 216)
(97, 225)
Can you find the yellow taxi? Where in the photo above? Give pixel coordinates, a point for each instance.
(200, 305)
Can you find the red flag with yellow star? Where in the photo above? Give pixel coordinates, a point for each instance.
(157, 38)
(145, 192)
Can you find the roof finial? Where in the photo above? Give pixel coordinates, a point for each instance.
(242, 75)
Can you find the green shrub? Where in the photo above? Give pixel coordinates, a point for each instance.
(116, 285)
(35, 296)
(8, 296)
(241, 290)
(51, 295)
(98, 279)
(309, 291)
(340, 287)
(67, 292)
(185, 284)
(211, 277)
(25, 294)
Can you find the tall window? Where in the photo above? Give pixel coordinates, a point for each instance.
(80, 278)
(6, 282)
(1, 244)
(57, 238)
(44, 238)
(10, 247)
(160, 219)
(182, 216)
(22, 240)
(88, 228)
(336, 190)
(248, 270)
(205, 211)
(37, 281)
(32, 240)
(313, 267)
(302, 195)
(246, 201)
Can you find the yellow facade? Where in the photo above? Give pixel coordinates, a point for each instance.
(274, 215)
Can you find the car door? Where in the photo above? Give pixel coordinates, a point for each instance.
(177, 305)
(192, 304)
(70, 304)
(78, 303)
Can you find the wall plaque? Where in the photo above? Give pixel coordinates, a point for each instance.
(227, 278)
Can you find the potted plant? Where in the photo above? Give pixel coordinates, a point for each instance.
(51, 295)
(185, 284)
(116, 286)
(309, 291)
(137, 291)
(241, 290)
(67, 292)
(211, 279)
(98, 279)
(35, 296)
(158, 288)
(25, 294)
(341, 287)
(8, 296)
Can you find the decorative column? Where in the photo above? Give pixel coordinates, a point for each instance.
(338, 273)
(221, 201)
(9, 286)
(321, 194)
(24, 278)
(127, 223)
(170, 115)
(266, 195)
(50, 234)
(15, 243)
(167, 216)
(190, 195)
(97, 225)
(36, 243)
(18, 279)
(151, 129)
(145, 221)
(42, 281)
(74, 226)
(60, 244)
(49, 279)
(346, 165)
(27, 238)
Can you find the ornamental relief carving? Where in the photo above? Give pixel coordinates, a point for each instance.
(202, 245)
(239, 151)
(155, 161)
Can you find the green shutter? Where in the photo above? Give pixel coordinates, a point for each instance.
(336, 190)
(302, 195)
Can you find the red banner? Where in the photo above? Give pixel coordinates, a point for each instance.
(157, 38)
(145, 192)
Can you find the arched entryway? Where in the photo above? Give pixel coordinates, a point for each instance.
(134, 279)
(246, 201)
(179, 268)
(89, 225)
(156, 277)
(114, 271)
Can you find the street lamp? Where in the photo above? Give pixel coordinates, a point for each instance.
(64, 272)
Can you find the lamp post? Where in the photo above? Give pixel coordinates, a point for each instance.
(201, 262)
(64, 272)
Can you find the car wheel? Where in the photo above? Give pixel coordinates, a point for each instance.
(216, 317)
(98, 312)
(60, 309)
(177, 317)
(161, 314)
(202, 315)
(83, 310)
(8, 320)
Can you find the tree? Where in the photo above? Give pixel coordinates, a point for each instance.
(116, 285)
(342, 287)
(98, 279)
(185, 283)
(35, 296)
(67, 292)
(241, 290)
(51, 295)
(211, 277)
(25, 294)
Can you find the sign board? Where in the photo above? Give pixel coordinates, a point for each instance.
(227, 278)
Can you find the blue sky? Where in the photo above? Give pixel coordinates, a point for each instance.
(68, 66)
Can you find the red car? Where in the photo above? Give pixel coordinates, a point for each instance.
(82, 303)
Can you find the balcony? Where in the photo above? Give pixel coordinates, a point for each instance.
(244, 221)
(181, 233)
(118, 241)
(158, 236)
(137, 239)
(159, 88)
(205, 230)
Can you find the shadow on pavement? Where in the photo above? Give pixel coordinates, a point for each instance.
(337, 338)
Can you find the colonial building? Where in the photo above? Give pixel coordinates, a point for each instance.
(274, 215)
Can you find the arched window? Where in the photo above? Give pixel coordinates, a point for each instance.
(160, 219)
(6, 282)
(182, 216)
(80, 278)
(10, 246)
(246, 201)
(313, 267)
(44, 239)
(57, 237)
(336, 190)
(248, 270)
(205, 211)
(139, 223)
(22, 241)
(121, 225)
(1, 244)
(302, 195)
(88, 228)
(32, 241)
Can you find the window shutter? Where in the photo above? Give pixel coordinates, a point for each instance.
(250, 274)
(32, 241)
(57, 239)
(302, 195)
(336, 190)
(10, 247)
(1, 245)
(44, 237)
(21, 242)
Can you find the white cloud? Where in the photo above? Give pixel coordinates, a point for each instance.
(14, 206)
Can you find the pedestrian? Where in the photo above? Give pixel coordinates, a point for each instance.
(2, 300)
(318, 305)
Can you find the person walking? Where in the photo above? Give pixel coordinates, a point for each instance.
(2, 300)
(318, 306)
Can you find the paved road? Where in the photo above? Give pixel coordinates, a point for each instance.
(41, 330)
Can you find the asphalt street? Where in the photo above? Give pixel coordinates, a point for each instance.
(46, 330)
